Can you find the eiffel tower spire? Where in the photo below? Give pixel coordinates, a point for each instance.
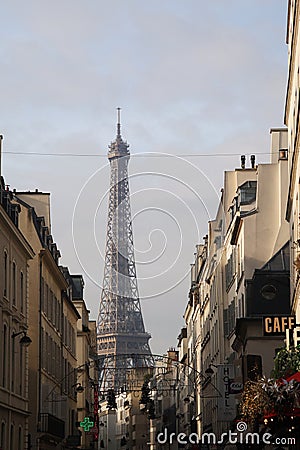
(121, 338)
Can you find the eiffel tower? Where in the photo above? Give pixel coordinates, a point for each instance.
(121, 338)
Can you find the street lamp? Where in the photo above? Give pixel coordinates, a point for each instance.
(78, 387)
(25, 340)
(209, 370)
(188, 398)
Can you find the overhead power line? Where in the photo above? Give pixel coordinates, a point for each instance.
(143, 155)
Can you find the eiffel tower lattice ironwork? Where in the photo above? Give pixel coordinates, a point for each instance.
(120, 327)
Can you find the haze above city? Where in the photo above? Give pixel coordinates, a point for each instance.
(202, 82)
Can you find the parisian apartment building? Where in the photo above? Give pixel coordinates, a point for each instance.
(16, 252)
(48, 342)
(240, 276)
(239, 284)
(291, 119)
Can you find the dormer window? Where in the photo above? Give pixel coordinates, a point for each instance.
(247, 192)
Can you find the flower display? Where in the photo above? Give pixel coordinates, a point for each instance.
(267, 396)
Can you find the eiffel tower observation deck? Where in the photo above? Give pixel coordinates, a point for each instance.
(122, 341)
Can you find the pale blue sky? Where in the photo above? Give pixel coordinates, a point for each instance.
(192, 76)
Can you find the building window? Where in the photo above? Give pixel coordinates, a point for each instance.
(232, 213)
(231, 316)
(52, 357)
(4, 355)
(59, 317)
(46, 290)
(42, 295)
(230, 270)
(269, 292)
(22, 292)
(20, 439)
(43, 349)
(2, 437)
(218, 242)
(247, 192)
(13, 363)
(283, 152)
(14, 283)
(5, 274)
(225, 320)
(55, 311)
(21, 370)
(12, 438)
(50, 312)
(46, 353)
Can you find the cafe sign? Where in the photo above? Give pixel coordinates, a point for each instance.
(278, 325)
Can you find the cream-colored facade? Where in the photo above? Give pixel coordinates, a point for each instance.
(53, 327)
(291, 120)
(223, 316)
(86, 350)
(15, 253)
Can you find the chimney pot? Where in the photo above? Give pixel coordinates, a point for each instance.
(243, 161)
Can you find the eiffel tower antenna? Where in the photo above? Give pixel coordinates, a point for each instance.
(122, 341)
(119, 123)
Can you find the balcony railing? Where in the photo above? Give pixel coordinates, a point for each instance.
(52, 425)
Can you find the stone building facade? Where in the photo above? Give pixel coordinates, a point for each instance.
(53, 327)
(15, 254)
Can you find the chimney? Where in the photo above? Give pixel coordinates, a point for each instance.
(243, 161)
(279, 144)
(252, 159)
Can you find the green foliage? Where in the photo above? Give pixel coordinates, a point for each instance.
(286, 362)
